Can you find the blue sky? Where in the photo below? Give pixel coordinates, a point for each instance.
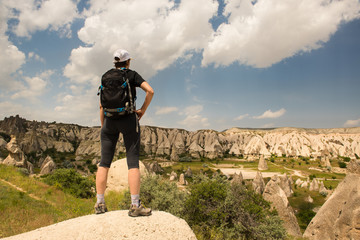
(212, 64)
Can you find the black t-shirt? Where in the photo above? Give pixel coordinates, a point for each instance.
(135, 79)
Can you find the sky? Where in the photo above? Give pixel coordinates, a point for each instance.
(212, 64)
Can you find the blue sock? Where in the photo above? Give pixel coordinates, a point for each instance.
(135, 200)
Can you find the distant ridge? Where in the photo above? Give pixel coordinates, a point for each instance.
(179, 144)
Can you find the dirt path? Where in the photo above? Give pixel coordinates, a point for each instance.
(29, 194)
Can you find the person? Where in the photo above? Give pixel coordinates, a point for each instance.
(128, 125)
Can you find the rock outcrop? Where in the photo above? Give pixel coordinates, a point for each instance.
(188, 173)
(176, 143)
(237, 178)
(16, 156)
(173, 176)
(285, 183)
(274, 194)
(182, 180)
(155, 167)
(258, 183)
(339, 216)
(47, 166)
(115, 225)
(118, 175)
(314, 185)
(262, 164)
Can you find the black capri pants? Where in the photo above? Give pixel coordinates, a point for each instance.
(128, 125)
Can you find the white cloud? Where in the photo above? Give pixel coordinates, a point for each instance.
(352, 123)
(81, 109)
(35, 86)
(156, 33)
(36, 15)
(32, 55)
(241, 117)
(11, 58)
(165, 110)
(270, 114)
(193, 120)
(269, 31)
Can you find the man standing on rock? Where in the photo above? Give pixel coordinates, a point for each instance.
(123, 120)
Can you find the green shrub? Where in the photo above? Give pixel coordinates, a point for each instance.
(342, 164)
(92, 168)
(69, 180)
(159, 195)
(346, 159)
(217, 209)
(305, 214)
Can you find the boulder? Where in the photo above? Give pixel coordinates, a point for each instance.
(258, 183)
(262, 164)
(274, 194)
(339, 216)
(173, 176)
(309, 199)
(298, 182)
(118, 175)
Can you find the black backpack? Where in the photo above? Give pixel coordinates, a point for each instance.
(115, 94)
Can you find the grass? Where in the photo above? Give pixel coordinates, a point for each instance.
(20, 213)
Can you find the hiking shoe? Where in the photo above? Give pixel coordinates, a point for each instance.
(139, 211)
(100, 208)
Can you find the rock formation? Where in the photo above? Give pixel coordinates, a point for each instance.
(314, 185)
(339, 216)
(274, 194)
(238, 178)
(182, 180)
(2, 143)
(155, 167)
(118, 175)
(47, 166)
(258, 183)
(262, 164)
(16, 156)
(322, 189)
(298, 182)
(39, 136)
(173, 176)
(309, 199)
(119, 226)
(188, 173)
(285, 183)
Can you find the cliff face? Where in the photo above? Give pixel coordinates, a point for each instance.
(38, 136)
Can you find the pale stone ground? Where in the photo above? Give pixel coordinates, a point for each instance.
(114, 225)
